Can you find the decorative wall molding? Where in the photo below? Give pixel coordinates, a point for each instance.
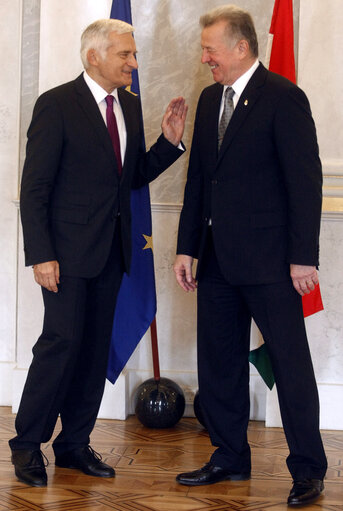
(333, 178)
(118, 403)
(160, 207)
(332, 208)
(6, 379)
(330, 417)
(333, 167)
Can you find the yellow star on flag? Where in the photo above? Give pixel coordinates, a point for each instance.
(128, 89)
(149, 244)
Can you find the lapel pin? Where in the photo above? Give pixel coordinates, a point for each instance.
(246, 102)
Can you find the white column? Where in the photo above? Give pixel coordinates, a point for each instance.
(10, 30)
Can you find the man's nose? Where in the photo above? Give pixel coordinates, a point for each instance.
(205, 56)
(132, 62)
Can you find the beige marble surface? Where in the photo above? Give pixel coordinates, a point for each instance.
(9, 140)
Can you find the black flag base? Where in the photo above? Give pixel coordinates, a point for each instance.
(159, 403)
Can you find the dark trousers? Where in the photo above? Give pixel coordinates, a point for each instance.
(224, 320)
(68, 371)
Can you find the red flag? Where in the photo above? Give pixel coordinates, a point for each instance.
(280, 59)
(280, 51)
(312, 302)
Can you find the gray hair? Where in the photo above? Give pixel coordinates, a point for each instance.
(95, 36)
(240, 24)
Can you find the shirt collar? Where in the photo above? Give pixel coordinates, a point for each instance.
(98, 92)
(240, 84)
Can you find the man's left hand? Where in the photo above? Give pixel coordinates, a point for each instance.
(304, 278)
(173, 122)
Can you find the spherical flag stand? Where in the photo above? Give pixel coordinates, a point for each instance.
(159, 402)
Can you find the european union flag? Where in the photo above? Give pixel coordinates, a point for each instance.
(136, 303)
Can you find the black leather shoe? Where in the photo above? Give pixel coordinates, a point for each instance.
(86, 460)
(210, 474)
(305, 491)
(29, 467)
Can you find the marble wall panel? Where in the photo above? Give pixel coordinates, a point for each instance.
(326, 328)
(9, 139)
(29, 69)
(321, 72)
(62, 22)
(168, 41)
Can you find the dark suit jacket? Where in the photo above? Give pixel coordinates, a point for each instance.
(71, 192)
(263, 190)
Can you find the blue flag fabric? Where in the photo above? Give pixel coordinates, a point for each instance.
(136, 302)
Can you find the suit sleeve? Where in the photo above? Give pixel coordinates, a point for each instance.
(297, 146)
(191, 222)
(44, 146)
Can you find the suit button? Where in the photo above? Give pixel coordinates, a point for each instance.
(214, 182)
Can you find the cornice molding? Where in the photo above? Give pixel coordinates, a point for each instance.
(165, 207)
(332, 208)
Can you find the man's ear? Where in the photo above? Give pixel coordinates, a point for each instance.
(243, 47)
(92, 57)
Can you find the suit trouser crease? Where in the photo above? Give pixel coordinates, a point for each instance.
(224, 318)
(68, 371)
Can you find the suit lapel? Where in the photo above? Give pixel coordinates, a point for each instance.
(244, 106)
(213, 119)
(128, 113)
(91, 109)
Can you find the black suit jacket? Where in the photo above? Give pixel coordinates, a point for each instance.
(263, 190)
(71, 192)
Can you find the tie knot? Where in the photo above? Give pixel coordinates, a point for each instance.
(109, 100)
(229, 93)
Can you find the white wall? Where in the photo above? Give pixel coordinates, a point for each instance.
(10, 34)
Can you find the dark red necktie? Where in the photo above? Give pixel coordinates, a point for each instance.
(113, 130)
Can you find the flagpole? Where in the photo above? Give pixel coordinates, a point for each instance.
(154, 349)
(159, 402)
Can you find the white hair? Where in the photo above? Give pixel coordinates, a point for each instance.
(239, 24)
(95, 36)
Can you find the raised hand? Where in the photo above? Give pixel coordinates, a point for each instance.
(173, 122)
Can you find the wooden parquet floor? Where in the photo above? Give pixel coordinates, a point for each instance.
(146, 463)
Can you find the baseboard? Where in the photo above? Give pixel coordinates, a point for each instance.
(6, 371)
(331, 412)
(117, 402)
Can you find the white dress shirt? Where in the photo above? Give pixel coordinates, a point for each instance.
(99, 95)
(238, 86)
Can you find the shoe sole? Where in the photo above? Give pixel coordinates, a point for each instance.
(43, 485)
(80, 469)
(230, 478)
(295, 504)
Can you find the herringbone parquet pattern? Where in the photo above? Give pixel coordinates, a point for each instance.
(147, 462)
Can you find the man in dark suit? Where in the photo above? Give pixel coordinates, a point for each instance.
(251, 217)
(84, 154)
